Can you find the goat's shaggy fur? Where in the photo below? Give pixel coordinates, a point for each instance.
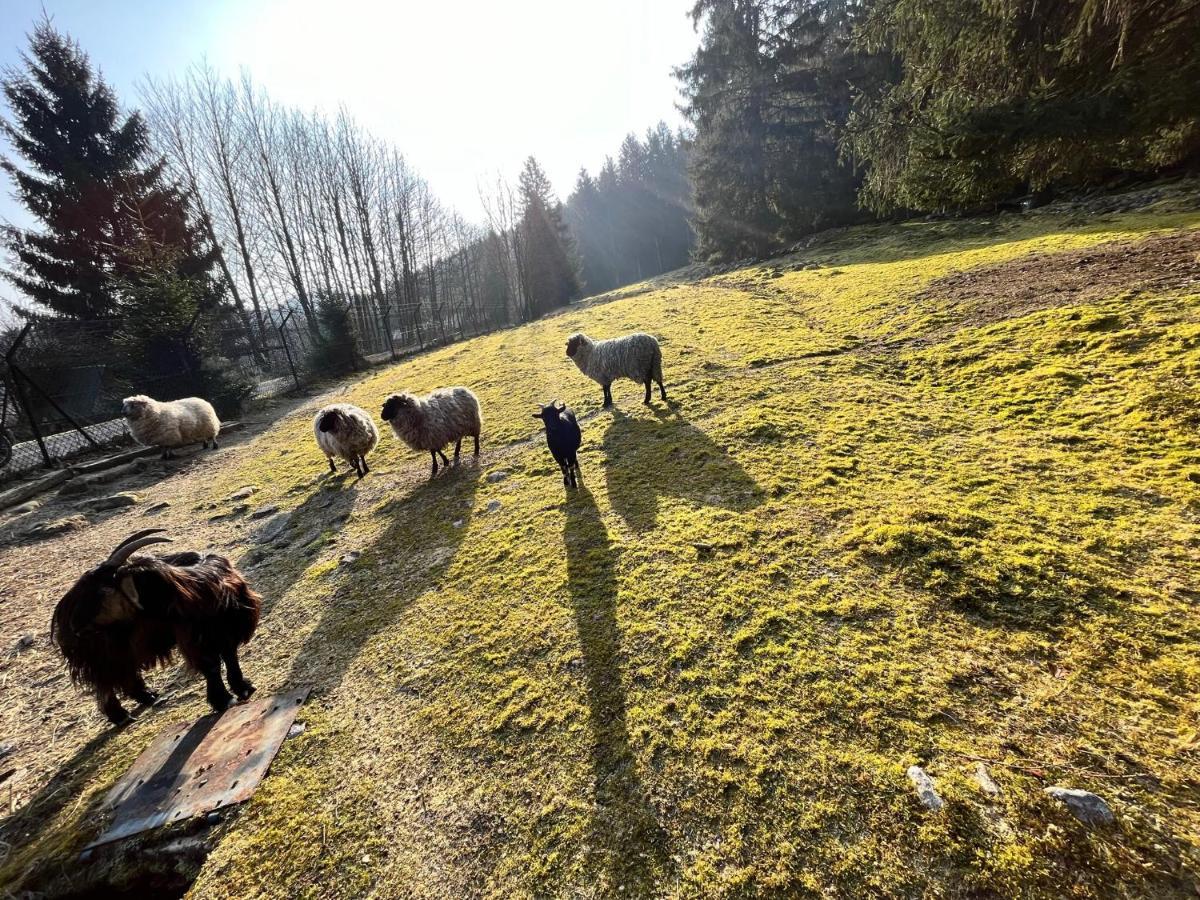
(435, 420)
(120, 620)
(173, 423)
(563, 438)
(634, 356)
(346, 431)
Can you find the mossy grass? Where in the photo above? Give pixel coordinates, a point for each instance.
(869, 530)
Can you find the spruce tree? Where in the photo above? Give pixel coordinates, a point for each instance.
(86, 174)
(551, 269)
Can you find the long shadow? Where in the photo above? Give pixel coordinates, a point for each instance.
(628, 841)
(408, 558)
(667, 456)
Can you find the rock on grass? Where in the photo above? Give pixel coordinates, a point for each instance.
(925, 791)
(1087, 807)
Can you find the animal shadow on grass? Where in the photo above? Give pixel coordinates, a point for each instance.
(408, 558)
(628, 840)
(668, 456)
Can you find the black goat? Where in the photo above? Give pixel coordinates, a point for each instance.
(128, 614)
(563, 438)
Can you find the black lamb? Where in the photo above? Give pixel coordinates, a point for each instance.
(563, 438)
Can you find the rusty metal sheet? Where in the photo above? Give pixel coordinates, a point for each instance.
(197, 767)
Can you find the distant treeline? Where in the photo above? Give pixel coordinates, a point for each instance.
(811, 113)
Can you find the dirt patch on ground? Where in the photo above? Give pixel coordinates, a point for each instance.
(1160, 265)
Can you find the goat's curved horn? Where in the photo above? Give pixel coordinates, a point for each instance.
(137, 536)
(130, 546)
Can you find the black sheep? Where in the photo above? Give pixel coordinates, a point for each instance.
(563, 438)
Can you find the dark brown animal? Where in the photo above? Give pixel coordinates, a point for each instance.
(128, 614)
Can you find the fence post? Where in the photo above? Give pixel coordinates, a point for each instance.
(22, 399)
(287, 350)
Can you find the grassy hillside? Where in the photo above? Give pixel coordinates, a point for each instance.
(933, 500)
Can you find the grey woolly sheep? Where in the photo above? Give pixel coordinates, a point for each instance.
(433, 421)
(634, 356)
(171, 424)
(346, 431)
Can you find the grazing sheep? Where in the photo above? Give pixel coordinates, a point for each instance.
(563, 438)
(433, 421)
(171, 424)
(346, 431)
(634, 356)
(128, 614)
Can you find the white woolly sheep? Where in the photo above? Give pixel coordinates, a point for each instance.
(634, 356)
(346, 431)
(171, 424)
(433, 421)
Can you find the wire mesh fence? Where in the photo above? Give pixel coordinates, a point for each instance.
(62, 381)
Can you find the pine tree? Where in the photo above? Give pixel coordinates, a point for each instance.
(551, 269)
(104, 209)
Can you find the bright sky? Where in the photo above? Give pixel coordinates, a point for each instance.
(466, 88)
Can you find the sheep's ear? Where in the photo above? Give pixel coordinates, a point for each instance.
(537, 416)
(129, 589)
(559, 406)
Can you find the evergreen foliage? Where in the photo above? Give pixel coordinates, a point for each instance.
(335, 347)
(88, 177)
(998, 99)
(632, 221)
(550, 267)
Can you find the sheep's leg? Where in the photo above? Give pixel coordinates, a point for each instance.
(433, 453)
(565, 466)
(214, 444)
(218, 698)
(112, 708)
(366, 468)
(477, 445)
(233, 674)
(607, 395)
(332, 467)
(647, 400)
(457, 449)
(662, 390)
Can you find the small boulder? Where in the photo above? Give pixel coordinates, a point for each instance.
(498, 475)
(349, 558)
(493, 506)
(263, 511)
(243, 493)
(112, 501)
(74, 488)
(272, 528)
(156, 508)
(925, 790)
(24, 642)
(1087, 807)
(984, 781)
(58, 526)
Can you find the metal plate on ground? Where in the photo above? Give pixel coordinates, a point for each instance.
(197, 767)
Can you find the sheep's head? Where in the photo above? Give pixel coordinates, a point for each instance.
(397, 404)
(549, 413)
(573, 343)
(331, 420)
(105, 594)
(135, 407)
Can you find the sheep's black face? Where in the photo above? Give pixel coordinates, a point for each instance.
(572, 345)
(394, 404)
(549, 413)
(331, 421)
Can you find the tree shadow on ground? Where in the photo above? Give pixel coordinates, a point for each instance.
(628, 844)
(646, 459)
(407, 559)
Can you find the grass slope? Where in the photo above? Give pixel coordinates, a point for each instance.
(934, 501)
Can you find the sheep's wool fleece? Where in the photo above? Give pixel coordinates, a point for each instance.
(438, 419)
(356, 437)
(632, 356)
(175, 423)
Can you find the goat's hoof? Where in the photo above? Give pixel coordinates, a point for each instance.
(245, 692)
(148, 698)
(220, 702)
(120, 721)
